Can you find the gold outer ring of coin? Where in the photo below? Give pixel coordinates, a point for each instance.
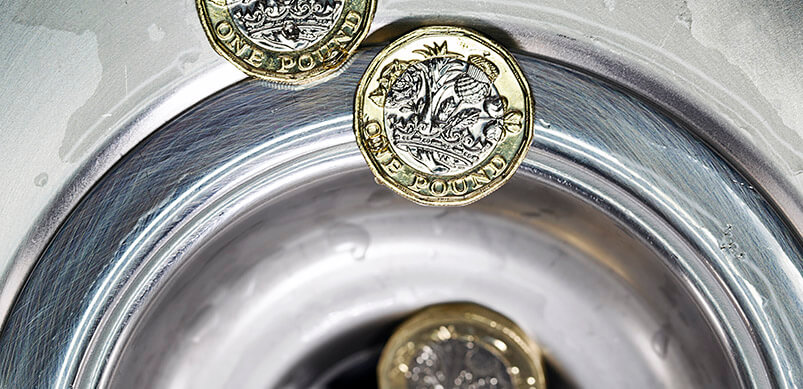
(464, 322)
(459, 175)
(317, 60)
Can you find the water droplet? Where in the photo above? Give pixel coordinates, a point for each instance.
(187, 60)
(155, 33)
(250, 286)
(660, 342)
(201, 323)
(348, 238)
(380, 198)
(437, 222)
(40, 180)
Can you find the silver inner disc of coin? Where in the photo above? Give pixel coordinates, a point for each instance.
(457, 364)
(285, 25)
(443, 116)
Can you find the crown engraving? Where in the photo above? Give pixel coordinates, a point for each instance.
(443, 114)
(285, 25)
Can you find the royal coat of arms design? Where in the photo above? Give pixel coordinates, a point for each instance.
(443, 113)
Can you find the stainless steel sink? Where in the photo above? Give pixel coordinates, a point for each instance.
(201, 230)
(245, 244)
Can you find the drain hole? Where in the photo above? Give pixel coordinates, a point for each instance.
(357, 371)
(349, 361)
(556, 378)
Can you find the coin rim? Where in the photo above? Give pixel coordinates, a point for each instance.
(445, 201)
(454, 312)
(294, 79)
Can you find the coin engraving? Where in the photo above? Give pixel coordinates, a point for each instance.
(458, 364)
(460, 345)
(285, 25)
(287, 41)
(443, 116)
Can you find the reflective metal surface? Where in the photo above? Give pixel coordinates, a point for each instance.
(249, 248)
(123, 70)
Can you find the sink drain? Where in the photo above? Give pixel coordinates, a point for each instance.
(234, 243)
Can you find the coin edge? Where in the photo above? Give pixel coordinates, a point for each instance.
(203, 15)
(483, 191)
(423, 317)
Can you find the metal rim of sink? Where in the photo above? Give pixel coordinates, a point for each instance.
(728, 278)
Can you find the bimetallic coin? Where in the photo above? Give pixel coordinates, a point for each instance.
(460, 346)
(287, 41)
(443, 116)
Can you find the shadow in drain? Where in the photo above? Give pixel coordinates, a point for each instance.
(349, 361)
(359, 371)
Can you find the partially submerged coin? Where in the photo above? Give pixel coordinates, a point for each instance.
(460, 346)
(287, 41)
(443, 116)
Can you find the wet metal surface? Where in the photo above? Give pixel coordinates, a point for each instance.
(124, 69)
(699, 230)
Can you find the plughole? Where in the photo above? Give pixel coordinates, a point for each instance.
(593, 143)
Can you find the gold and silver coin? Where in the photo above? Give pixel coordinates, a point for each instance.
(286, 41)
(443, 116)
(460, 346)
